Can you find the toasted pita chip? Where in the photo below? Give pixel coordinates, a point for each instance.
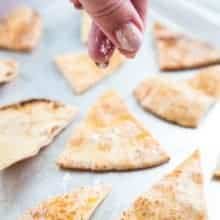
(20, 30)
(178, 196)
(178, 52)
(78, 205)
(207, 81)
(110, 138)
(217, 170)
(172, 101)
(86, 23)
(8, 70)
(81, 71)
(28, 126)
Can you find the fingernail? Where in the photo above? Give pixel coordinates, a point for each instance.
(129, 37)
(102, 65)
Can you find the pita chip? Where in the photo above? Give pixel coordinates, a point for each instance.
(179, 52)
(207, 81)
(20, 30)
(81, 71)
(8, 71)
(28, 126)
(178, 196)
(77, 205)
(86, 23)
(217, 170)
(173, 101)
(111, 139)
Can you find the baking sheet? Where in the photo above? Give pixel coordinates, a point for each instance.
(29, 182)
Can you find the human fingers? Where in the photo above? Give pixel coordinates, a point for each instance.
(141, 7)
(119, 21)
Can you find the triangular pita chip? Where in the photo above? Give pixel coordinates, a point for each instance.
(178, 196)
(8, 70)
(86, 23)
(178, 52)
(78, 205)
(81, 71)
(217, 170)
(207, 81)
(20, 30)
(28, 126)
(173, 101)
(110, 138)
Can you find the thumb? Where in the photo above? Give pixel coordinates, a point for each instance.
(119, 21)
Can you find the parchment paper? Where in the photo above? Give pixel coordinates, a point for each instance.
(27, 183)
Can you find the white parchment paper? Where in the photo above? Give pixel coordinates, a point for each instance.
(27, 183)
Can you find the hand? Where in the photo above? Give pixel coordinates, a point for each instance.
(116, 24)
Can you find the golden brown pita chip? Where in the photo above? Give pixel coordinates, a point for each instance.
(28, 126)
(207, 81)
(110, 138)
(178, 196)
(81, 71)
(217, 170)
(172, 101)
(20, 30)
(78, 205)
(8, 70)
(86, 23)
(178, 52)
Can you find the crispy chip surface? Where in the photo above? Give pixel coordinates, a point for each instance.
(8, 70)
(173, 101)
(20, 30)
(178, 51)
(78, 205)
(207, 81)
(81, 71)
(28, 126)
(110, 138)
(178, 196)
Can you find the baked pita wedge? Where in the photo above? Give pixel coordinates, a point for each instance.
(173, 101)
(110, 139)
(77, 205)
(179, 52)
(217, 170)
(207, 81)
(28, 126)
(81, 71)
(8, 71)
(178, 196)
(86, 23)
(20, 30)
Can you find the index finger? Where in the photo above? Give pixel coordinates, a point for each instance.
(141, 7)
